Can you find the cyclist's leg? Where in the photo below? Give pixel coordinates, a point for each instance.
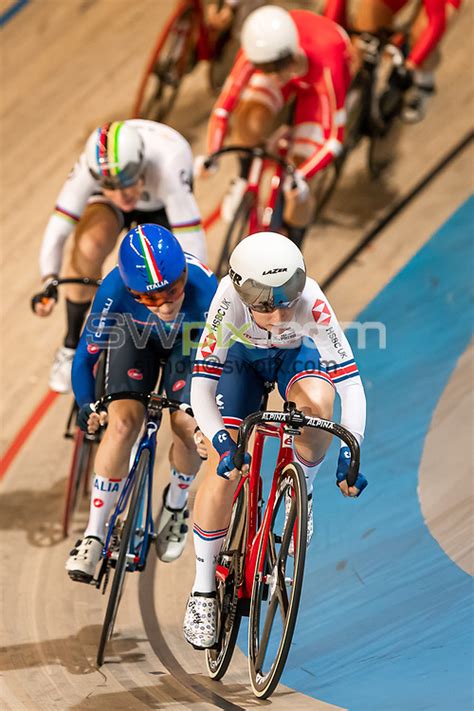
(302, 378)
(94, 238)
(127, 368)
(184, 460)
(239, 393)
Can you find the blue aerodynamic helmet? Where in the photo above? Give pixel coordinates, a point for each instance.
(151, 259)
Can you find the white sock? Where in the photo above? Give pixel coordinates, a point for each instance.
(424, 79)
(177, 494)
(104, 495)
(310, 469)
(207, 545)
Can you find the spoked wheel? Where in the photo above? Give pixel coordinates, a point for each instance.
(277, 584)
(228, 612)
(173, 56)
(78, 475)
(127, 547)
(238, 229)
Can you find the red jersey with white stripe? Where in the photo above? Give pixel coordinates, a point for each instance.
(320, 93)
(229, 321)
(436, 13)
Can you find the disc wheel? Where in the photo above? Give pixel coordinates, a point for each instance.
(173, 56)
(126, 546)
(238, 229)
(277, 584)
(228, 608)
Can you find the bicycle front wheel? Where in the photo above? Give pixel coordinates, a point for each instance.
(173, 56)
(238, 229)
(231, 557)
(126, 544)
(278, 582)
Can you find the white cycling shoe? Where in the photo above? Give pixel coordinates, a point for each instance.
(199, 625)
(60, 373)
(232, 199)
(172, 532)
(416, 102)
(310, 529)
(83, 559)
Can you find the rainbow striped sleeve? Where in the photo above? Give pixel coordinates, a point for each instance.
(187, 227)
(68, 216)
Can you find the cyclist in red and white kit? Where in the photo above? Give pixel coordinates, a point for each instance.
(426, 33)
(130, 172)
(286, 55)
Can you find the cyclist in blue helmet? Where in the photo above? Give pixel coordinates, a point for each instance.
(139, 317)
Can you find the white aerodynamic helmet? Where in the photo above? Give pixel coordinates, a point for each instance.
(269, 35)
(267, 271)
(114, 154)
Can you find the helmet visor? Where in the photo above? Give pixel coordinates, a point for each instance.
(172, 292)
(265, 299)
(276, 66)
(125, 178)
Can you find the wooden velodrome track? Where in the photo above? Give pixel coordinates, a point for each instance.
(67, 65)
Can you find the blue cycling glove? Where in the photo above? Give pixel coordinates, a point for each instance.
(226, 447)
(343, 467)
(83, 415)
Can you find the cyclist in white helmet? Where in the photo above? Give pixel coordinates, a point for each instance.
(130, 172)
(268, 321)
(285, 55)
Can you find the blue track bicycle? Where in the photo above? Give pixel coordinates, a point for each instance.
(131, 530)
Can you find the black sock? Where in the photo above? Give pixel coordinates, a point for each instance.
(296, 234)
(76, 312)
(245, 162)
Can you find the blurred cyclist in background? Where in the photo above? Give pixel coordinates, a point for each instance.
(130, 172)
(416, 78)
(285, 55)
(160, 289)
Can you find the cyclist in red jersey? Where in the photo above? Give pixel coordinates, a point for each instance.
(426, 32)
(286, 55)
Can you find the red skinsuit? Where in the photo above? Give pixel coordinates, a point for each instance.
(320, 94)
(429, 39)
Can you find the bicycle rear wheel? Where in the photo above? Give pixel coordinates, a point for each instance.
(277, 588)
(126, 544)
(80, 469)
(228, 608)
(173, 56)
(238, 229)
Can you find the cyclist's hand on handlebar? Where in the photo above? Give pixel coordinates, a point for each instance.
(43, 303)
(342, 469)
(296, 187)
(203, 167)
(89, 420)
(226, 447)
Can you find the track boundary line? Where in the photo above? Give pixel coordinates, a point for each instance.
(146, 597)
(396, 209)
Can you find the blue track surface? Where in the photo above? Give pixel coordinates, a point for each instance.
(386, 620)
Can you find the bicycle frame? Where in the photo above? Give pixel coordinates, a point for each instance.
(148, 441)
(255, 527)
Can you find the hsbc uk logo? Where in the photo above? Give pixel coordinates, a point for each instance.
(321, 313)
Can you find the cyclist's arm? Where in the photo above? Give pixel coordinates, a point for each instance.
(210, 360)
(430, 37)
(331, 90)
(69, 206)
(338, 360)
(176, 192)
(95, 337)
(227, 101)
(335, 10)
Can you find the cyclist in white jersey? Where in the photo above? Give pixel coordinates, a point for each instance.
(130, 172)
(268, 321)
